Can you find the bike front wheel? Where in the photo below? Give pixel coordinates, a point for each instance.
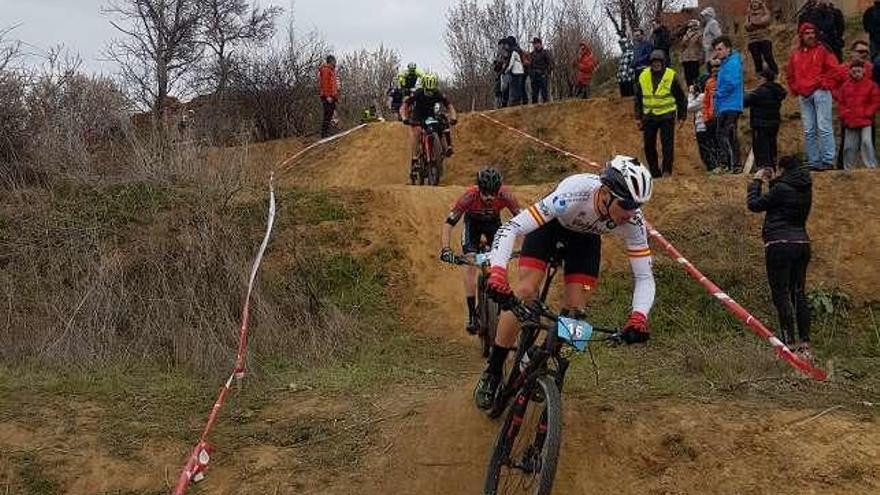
(526, 449)
(435, 167)
(488, 314)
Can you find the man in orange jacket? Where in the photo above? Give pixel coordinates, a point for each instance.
(329, 91)
(585, 65)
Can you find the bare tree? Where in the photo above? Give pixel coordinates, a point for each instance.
(627, 15)
(574, 22)
(365, 77)
(470, 50)
(226, 25)
(159, 48)
(9, 50)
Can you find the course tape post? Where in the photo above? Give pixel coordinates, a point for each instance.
(753, 323)
(197, 462)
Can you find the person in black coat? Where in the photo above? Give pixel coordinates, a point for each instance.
(829, 22)
(871, 23)
(661, 38)
(786, 243)
(764, 105)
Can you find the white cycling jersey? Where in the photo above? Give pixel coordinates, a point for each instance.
(573, 204)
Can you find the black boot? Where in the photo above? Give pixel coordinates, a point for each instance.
(472, 325)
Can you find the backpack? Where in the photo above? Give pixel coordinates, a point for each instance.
(526, 58)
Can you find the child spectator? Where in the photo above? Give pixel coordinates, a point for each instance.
(705, 138)
(764, 104)
(858, 98)
(709, 92)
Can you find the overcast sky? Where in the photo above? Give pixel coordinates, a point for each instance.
(413, 27)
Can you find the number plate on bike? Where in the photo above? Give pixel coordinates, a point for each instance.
(575, 332)
(481, 258)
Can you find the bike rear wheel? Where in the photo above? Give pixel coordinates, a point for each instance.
(526, 449)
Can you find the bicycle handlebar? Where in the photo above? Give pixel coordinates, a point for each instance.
(532, 313)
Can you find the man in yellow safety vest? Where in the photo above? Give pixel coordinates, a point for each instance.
(659, 98)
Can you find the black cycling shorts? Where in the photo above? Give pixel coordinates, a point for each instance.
(473, 230)
(581, 257)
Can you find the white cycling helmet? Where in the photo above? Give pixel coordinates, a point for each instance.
(628, 181)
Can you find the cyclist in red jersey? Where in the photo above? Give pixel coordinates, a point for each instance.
(481, 207)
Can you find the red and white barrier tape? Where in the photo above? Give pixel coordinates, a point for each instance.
(542, 143)
(285, 165)
(731, 305)
(197, 463)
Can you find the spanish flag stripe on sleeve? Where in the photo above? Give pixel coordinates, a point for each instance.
(638, 253)
(536, 215)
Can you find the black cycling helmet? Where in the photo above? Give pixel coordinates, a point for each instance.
(489, 180)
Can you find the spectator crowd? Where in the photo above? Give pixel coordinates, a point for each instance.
(713, 90)
(816, 75)
(710, 86)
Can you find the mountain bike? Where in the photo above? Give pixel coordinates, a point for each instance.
(487, 309)
(431, 153)
(526, 449)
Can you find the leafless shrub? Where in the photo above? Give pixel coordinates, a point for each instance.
(71, 117)
(279, 87)
(148, 272)
(365, 77)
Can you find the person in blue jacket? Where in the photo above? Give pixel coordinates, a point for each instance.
(641, 52)
(728, 104)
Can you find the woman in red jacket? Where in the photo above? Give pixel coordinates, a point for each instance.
(858, 99)
(585, 65)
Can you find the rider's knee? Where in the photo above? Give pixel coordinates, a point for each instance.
(527, 291)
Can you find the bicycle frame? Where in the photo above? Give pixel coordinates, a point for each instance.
(427, 149)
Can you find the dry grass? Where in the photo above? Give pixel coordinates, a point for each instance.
(150, 267)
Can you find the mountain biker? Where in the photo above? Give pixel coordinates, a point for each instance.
(481, 207)
(409, 78)
(581, 209)
(418, 107)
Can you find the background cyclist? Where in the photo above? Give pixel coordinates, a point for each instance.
(418, 107)
(481, 207)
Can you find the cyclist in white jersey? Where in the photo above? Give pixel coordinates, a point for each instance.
(581, 209)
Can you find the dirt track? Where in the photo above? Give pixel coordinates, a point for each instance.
(431, 440)
(658, 447)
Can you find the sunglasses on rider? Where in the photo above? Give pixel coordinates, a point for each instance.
(628, 204)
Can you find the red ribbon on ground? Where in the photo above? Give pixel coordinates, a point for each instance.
(197, 462)
(753, 323)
